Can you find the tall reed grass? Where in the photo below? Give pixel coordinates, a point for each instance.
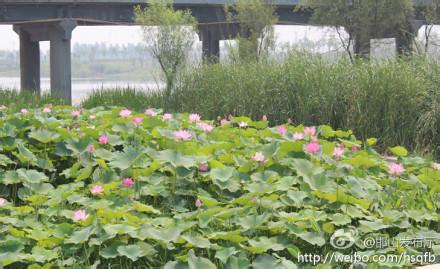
(397, 101)
(16, 100)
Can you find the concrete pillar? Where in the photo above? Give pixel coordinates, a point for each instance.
(211, 48)
(405, 39)
(59, 33)
(362, 46)
(29, 61)
(60, 60)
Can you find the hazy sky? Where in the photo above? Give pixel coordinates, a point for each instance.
(131, 34)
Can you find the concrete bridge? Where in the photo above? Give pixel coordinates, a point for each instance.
(54, 21)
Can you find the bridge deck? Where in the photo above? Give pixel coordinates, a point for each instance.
(179, 2)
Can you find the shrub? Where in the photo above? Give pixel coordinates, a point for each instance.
(111, 188)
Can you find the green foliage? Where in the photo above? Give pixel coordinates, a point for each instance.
(16, 100)
(396, 101)
(363, 19)
(234, 211)
(256, 20)
(168, 34)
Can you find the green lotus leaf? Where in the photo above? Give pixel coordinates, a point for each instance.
(9, 177)
(173, 157)
(195, 262)
(224, 254)
(233, 236)
(253, 221)
(145, 208)
(9, 249)
(44, 136)
(32, 176)
(110, 251)
(133, 252)
(165, 235)
(225, 178)
(265, 243)
(265, 261)
(44, 255)
(197, 240)
(237, 263)
(80, 236)
(85, 173)
(399, 151)
(126, 159)
(115, 229)
(175, 265)
(4, 160)
(25, 155)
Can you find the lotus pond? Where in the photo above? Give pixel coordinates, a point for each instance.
(108, 188)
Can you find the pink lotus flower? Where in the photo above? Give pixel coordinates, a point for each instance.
(198, 203)
(103, 139)
(338, 152)
(68, 128)
(125, 113)
(205, 127)
(24, 111)
(242, 124)
(395, 169)
(282, 130)
(203, 167)
(264, 118)
(314, 139)
(137, 120)
(259, 157)
(92, 117)
(182, 135)
(167, 117)
(75, 113)
(3, 202)
(312, 147)
(47, 110)
(298, 136)
(80, 215)
(194, 118)
(92, 148)
(150, 112)
(128, 182)
(224, 122)
(97, 190)
(353, 149)
(310, 131)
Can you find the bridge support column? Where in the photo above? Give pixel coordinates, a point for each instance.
(29, 61)
(405, 39)
(211, 49)
(59, 33)
(210, 44)
(60, 60)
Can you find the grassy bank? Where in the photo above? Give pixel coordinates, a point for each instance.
(396, 101)
(15, 100)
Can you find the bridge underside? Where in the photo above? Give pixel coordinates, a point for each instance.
(54, 22)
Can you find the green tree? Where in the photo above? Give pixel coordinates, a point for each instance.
(169, 35)
(364, 20)
(429, 12)
(256, 19)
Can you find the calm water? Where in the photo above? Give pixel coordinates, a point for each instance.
(82, 87)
